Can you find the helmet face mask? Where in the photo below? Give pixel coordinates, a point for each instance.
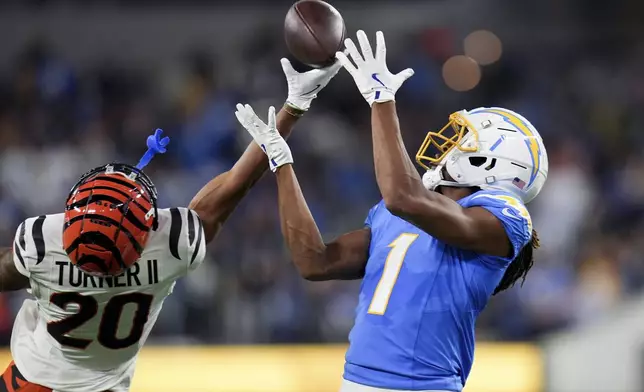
(108, 216)
(491, 148)
(437, 145)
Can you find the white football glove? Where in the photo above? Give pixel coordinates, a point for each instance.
(370, 73)
(304, 87)
(267, 137)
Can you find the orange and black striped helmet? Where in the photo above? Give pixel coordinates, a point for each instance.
(108, 217)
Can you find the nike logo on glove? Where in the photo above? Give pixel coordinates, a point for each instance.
(313, 90)
(266, 152)
(374, 76)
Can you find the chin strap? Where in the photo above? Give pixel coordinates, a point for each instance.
(433, 178)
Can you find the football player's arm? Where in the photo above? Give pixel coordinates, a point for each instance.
(218, 199)
(10, 278)
(400, 185)
(406, 197)
(343, 258)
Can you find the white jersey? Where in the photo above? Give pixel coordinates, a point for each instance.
(84, 333)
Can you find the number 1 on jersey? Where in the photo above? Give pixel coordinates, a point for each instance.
(390, 272)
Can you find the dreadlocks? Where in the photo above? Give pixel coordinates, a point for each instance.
(520, 266)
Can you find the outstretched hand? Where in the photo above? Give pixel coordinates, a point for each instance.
(265, 135)
(304, 87)
(373, 78)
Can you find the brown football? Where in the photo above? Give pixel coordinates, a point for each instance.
(314, 31)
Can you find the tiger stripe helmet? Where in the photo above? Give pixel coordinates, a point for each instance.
(108, 217)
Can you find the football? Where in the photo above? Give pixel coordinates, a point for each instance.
(314, 31)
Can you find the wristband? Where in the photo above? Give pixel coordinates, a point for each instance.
(293, 111)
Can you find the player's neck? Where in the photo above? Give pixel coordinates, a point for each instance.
(455, 193)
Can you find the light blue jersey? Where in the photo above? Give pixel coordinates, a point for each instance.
(420, 298)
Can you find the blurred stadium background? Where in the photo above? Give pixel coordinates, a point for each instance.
(83, 82)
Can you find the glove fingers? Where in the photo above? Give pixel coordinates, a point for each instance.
(271, 119)
(252, 117)
(287, 67)
(353, 52)
(239, 118)
(365, 46)
(381, 48)
(243, 121)
(242, 114)
(405, 74)
(346, 63)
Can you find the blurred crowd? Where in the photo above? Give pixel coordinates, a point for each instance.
(56, 122)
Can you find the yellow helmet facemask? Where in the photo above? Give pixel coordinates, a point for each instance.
(438, 144)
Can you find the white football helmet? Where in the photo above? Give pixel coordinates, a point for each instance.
(491, 148)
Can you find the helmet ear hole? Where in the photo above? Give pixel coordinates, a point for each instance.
(480, 161)
(477, 161)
